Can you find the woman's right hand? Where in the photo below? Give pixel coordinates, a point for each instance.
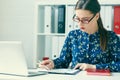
(46, 64)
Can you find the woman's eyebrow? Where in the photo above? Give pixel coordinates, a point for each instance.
(85, 17)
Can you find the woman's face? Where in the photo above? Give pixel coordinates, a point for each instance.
(87, 21)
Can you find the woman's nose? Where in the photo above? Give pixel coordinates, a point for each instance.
(80, 23)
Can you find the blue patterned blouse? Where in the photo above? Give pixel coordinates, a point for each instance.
(80, 47)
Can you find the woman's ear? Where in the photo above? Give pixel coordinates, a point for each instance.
(97, 16)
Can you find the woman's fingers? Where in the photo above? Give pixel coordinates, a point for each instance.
(44, 67)
(84, 66)
(45, 62)
(77, 66)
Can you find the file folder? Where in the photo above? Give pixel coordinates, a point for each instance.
(117, 19)
(61, 19)
(55, 47)
(108, 18)
(70, 14)
(102, 14)
(47, 19)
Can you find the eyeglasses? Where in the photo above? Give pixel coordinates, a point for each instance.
(84, 20)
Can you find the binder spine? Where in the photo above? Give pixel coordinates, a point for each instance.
(47, 19)
(117, 19)
(70, 10)
(61, 19)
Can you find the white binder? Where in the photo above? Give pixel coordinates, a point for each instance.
(55, 46)
(108, 17)
(47, 19)
(48, 48)
(55, 30)
(61, 43)
(70, 14)
(102, 14)
(76, 26)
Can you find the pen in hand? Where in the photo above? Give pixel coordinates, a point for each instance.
(42, 66)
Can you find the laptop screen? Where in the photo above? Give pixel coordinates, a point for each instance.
(12, 58)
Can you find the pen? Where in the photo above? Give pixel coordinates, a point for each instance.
(38, 63)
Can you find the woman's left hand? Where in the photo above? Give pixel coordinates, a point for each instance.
(84, 66)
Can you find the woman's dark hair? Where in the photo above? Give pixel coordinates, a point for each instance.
(94, 7)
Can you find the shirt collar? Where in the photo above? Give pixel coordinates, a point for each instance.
(97, 33)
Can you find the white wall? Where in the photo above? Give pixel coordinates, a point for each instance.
(17, 23)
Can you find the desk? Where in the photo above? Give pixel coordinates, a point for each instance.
(80, 76)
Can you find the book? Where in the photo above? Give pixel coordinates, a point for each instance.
(101, 72)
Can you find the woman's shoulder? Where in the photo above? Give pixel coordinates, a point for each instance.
(112, 35)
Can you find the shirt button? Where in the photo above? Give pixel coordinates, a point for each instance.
(87, 56)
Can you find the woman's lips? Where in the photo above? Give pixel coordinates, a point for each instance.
(82, 28)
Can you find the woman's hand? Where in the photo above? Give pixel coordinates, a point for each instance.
(84, 66)
(46, 64)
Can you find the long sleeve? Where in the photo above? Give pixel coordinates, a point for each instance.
(65, 55)
(114, 51)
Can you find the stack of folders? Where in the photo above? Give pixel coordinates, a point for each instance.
(101, 72)
(63, 71)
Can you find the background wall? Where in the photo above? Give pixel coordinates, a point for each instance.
(17, 23)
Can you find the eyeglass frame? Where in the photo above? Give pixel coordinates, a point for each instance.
(83, 21)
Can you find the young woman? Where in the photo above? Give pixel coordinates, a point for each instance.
(91, 46)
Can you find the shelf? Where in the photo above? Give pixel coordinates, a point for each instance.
(51, 34)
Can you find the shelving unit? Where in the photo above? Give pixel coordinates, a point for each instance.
(48, 40)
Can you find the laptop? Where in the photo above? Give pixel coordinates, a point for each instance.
(12, 60)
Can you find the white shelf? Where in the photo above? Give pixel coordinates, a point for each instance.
(49, 34)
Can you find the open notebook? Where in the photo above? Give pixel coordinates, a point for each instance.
(62, 71)
(12, 59)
